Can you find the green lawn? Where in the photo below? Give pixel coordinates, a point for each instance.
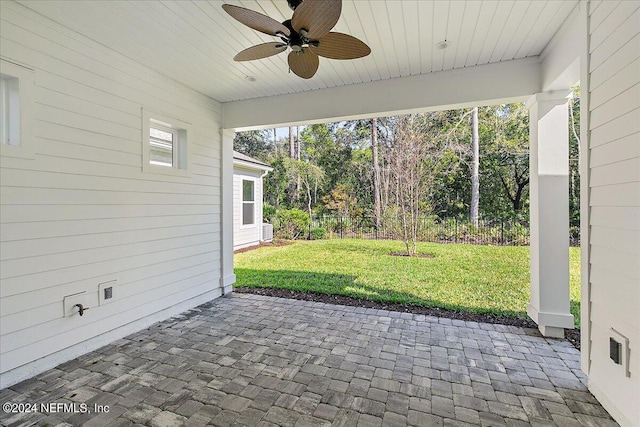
(484, 279)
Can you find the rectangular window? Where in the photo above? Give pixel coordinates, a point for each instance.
(248, 202)
(16, 110)
(165, 149)
(10, 110)
(161, 142)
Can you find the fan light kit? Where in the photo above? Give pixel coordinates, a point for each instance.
(308, 34)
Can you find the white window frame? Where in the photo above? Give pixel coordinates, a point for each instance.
(175, 138)
(180, 131)
(255, 203)
(22, 114)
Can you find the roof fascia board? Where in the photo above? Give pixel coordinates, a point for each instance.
(250, 165)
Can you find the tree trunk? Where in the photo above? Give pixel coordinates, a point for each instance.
(520, 185)
(292, 144)
(517, 200)
(376, 172)
(573, 130)
(298, 158)
(275, 141)
(475, 169)
(297, 142)
(293, 193)
(308, 198)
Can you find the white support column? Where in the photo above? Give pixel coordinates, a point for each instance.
(227, 277)
(549, 212)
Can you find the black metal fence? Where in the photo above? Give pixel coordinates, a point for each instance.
(507, 232)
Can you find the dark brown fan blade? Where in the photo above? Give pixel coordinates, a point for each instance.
(260, 51)
(341, 46)
(318, 17)
(304, 64)
(256, 20)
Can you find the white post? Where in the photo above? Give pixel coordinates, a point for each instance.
(549, 212)
(585, 163)
(227, 277)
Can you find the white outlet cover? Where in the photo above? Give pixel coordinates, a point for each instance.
(625, 353)
(113, 284)
(70, 301)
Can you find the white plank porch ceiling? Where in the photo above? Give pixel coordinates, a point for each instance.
(194, 41)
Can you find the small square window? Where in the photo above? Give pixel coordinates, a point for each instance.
(161, 141)
(16, 110)
(165, 148)
(248, 202)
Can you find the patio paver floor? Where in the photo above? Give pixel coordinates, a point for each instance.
(250, 360)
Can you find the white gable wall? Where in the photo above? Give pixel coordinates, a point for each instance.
(614, 201)
(244, 235)
(82, 212)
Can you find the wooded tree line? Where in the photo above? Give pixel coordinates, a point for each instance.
(467, 164)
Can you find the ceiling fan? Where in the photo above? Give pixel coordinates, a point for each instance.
(307, 33)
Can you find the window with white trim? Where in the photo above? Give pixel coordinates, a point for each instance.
(10, 109)
(161, 144)
(165, 148)
(248, 202)
(16, 110)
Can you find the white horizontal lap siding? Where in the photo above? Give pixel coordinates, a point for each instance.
(614, 182)
(244, 236)
(82, 212)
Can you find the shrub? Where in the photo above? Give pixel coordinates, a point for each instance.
(318, 233)
(291, 223)
(268, 213)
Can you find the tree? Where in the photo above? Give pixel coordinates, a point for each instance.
(328, 146)
(254, 143)
(413, 162)
(276, 183)
(310, 177)
(297, 142)
(292, 144)
(294, 191)
(450, 192)
(346, 154)
(475, 169)
(574, 158)
(506, 161)
(376, 173)
(342, 201)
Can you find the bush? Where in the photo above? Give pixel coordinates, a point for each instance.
(318, 233)
(291, 223)
(268, 213)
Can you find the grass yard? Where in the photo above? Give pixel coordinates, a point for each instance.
(481, 279)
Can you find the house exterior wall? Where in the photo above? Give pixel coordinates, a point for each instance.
(614, 203)
(82, 211)
(243, 235)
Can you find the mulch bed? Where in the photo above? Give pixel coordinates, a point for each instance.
(414, 256)
(264, 244)
(572, 335)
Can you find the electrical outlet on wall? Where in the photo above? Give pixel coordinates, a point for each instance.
(619, 351)
(107, 292)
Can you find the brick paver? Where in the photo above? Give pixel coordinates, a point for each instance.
(249, 360)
